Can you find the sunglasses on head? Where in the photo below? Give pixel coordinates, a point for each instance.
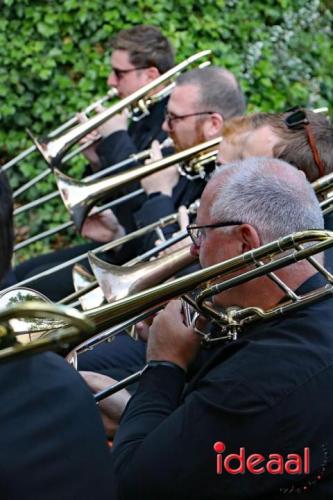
(298, 119)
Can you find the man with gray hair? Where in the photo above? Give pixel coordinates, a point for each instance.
(243, 427)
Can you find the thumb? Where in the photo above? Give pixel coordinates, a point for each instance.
(183, 219)
(81, 117)
(155, 151)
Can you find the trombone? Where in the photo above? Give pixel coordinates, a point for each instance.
(254, 263)
(159, 224)
(143, 304)
(136, 113)
(54, 150)
(79, 197)
(74, 326)
(142, 155)
(324, 189)
(86, 285)
(111, 94)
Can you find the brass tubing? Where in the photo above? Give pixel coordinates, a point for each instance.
(54, 150)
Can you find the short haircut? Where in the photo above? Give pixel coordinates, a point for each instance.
(146, 46)
(6, 225)
(219, 90)
(293, 146)
(267, 193)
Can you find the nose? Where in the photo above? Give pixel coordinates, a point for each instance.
(112, 80)
(165, 126)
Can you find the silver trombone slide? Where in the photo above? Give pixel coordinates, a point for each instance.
(327, 205)
(112, 389)
(70, 223)
(103, 248)
(112, 168)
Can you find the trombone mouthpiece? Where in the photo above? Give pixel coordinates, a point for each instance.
(167, 143)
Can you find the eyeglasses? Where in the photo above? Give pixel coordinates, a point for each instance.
(121, 72)
(197, 233)
(170, 117)
(299, 119)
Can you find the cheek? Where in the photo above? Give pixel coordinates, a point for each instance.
(208, 254)
(194, 250)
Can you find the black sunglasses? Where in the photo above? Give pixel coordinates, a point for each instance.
(121, 72)
(298, 119)
(196, 232)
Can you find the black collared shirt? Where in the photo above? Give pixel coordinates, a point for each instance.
(269, 392)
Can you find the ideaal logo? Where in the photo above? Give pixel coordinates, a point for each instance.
(256, 463)
(275, 463)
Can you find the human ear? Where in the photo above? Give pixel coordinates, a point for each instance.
(213, 126)
(152, 73)
(249, 237)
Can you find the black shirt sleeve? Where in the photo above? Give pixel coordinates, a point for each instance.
(164, 447)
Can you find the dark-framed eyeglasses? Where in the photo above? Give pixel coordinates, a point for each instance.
(171, 117)
(197, 233)
(121, 72)
(299, 119)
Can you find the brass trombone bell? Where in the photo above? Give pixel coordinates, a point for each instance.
(79, 197)
(141, 155)
(118, 282)
(29, 328)
(81, 280)
(77, 327)
(54, 150)
(112, 92)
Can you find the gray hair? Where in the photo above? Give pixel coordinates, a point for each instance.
(271, 195)
(219, 90)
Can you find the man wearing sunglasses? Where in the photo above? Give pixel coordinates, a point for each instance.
(266, 393)
(139, 55)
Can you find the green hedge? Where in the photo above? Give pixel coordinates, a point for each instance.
(54, 62)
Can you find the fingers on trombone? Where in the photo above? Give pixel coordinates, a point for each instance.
(183, 218)
(102, 226)
(155, 152)
(100, 108)
(92, 136)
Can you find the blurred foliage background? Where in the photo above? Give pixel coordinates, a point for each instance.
(55, 61)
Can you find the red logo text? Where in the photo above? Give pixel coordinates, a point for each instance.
(256, 463)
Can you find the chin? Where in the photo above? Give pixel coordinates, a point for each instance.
(177, 146)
